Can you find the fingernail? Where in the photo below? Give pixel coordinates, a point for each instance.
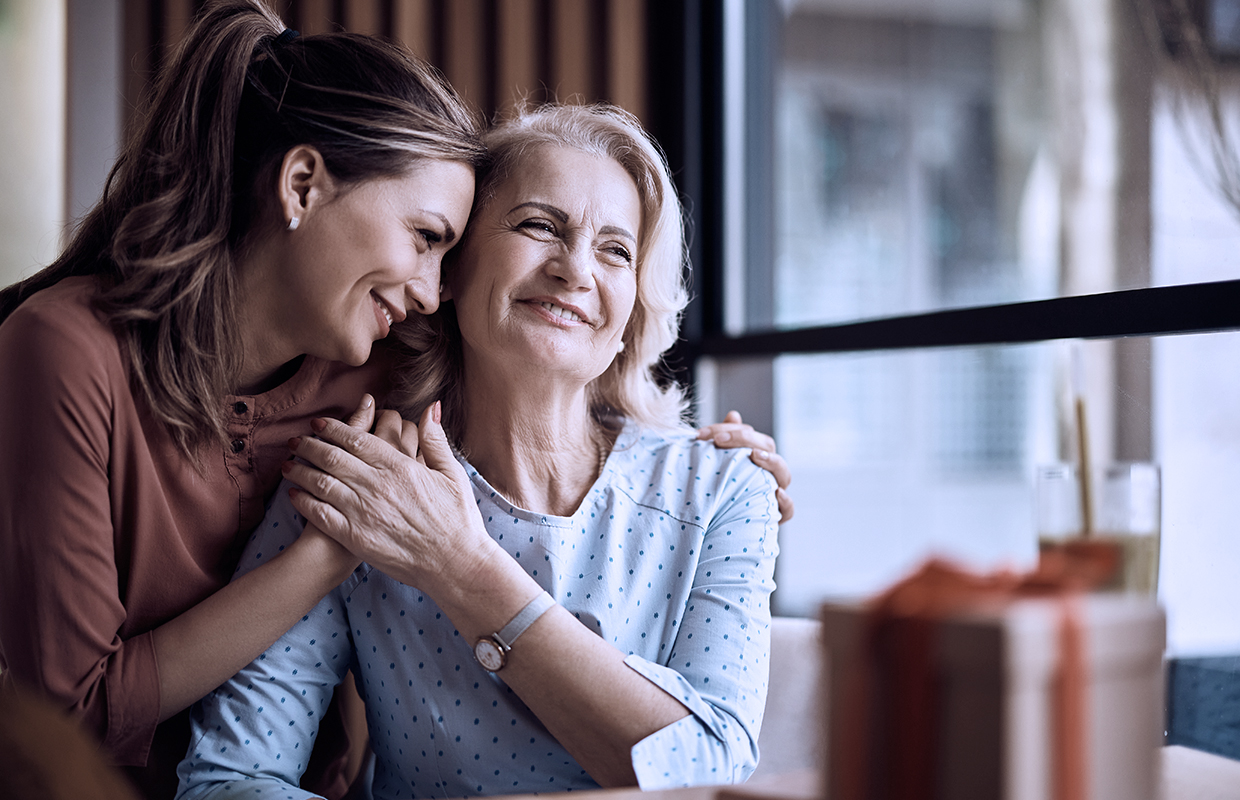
(437, 412)
(318, 425)
(367, 401)
(293, 491)
(286, 467)
(292, 443)
(703, 433)
(724, 437)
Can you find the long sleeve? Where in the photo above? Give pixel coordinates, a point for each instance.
(719, 662)
(60, 611)
(669, 559)
(253, 735)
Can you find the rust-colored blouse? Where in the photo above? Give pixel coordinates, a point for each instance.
(107, 531)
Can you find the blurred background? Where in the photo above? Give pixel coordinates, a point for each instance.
(842, 161)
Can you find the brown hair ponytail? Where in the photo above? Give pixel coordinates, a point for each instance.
(190, 186)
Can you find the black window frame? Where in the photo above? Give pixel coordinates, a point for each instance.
(686, 115)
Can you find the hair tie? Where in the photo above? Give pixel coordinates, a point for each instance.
(286, 36)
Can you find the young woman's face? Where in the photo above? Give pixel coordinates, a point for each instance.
(369, 256)
(549, 275)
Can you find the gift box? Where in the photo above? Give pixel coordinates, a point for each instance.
(1018, 690)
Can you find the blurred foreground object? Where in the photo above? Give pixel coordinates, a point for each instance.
(45, 756)
(1022, 687)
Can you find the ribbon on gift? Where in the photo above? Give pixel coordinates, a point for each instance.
(898, 648)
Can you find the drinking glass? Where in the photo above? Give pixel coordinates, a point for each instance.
(1127, 512)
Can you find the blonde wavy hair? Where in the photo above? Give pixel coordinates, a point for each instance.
(431, 365)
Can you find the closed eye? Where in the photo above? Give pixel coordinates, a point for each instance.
(431, 237)
(620, 252)
(537, 224)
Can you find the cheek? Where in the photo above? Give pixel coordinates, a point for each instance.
(625, 300)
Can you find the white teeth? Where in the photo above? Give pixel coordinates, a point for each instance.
(562, 313)
(386, 314)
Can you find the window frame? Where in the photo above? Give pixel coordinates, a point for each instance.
(687, 117)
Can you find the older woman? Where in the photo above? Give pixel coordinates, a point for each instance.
(580, 597)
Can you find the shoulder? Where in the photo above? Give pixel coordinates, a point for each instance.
(58, 332)
(683, 476)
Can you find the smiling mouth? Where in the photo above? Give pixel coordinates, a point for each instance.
(562, 313)
(387, 314)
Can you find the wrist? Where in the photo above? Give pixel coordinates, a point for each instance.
(323, 555)
(483, 591)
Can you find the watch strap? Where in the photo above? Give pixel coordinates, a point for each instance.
(524, 618)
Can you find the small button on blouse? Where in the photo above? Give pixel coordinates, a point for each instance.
(238, 445)
(240, 407)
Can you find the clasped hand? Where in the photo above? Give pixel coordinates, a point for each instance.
(397, 498)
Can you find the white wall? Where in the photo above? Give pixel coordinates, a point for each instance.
(32, 134)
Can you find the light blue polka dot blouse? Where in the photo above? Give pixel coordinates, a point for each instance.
(670, 558)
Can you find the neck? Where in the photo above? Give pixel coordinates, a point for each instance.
(267, 360)
(533, 440)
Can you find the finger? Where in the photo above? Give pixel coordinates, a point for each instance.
(325, 457)
(744, 436)
(363, 418)
(410, 439)
(435, 448)
(389, 427)
(785, 506)
(315, 481)
(321, 515)
(775, 464)
(362, 446)
(716, 428)
(733, 416)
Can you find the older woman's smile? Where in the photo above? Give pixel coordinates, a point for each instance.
(558, 312)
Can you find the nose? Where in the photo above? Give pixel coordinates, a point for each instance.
(574, 265)
(422, 290)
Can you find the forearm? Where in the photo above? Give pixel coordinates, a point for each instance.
(574, 682)
(211, 642)
(581, 690)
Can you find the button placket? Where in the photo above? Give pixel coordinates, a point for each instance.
(240, 427)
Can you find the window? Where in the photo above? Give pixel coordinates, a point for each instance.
(910, 219)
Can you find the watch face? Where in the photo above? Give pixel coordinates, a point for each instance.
(489, 655)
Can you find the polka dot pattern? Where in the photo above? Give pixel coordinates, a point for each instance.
(670, 559)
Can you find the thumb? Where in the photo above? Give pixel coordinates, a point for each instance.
(364, 417)
(433, 441)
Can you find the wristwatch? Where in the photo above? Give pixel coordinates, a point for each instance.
(492, 651)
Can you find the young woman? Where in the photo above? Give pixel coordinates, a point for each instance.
(284, 201)
(583, 599)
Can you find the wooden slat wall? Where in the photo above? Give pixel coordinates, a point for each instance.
(495, 52)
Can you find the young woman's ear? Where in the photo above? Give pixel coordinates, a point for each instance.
(303, 184)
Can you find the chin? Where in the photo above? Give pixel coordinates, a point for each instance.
(356, 356)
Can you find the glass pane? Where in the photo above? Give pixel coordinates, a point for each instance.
(898, 456)
(938, 155)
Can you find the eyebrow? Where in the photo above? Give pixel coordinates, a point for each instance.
(560, 215)
(449, 233)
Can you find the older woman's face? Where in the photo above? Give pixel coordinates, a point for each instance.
(548, 275)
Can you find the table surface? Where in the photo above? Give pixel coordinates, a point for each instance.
(1186, 775)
